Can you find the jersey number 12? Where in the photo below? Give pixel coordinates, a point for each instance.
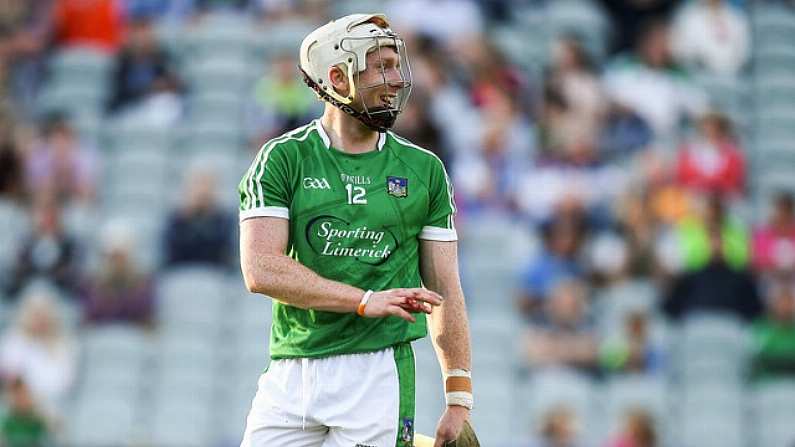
(355, 195)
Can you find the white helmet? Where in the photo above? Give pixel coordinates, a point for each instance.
(347, 41)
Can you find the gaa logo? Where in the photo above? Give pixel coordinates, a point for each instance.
(316, 183)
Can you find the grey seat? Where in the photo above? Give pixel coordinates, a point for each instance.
(102, 420)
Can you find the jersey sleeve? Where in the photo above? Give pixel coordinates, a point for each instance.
(265, 190)
(439, 225)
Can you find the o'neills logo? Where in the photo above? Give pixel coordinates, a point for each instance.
(332, 236)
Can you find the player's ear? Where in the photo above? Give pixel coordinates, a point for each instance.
(339, 80)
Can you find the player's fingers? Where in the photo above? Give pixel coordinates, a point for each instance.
(439, 442)
(415, 306)
(401, 313)
(443, 437)
(428, 296)
(405, 293)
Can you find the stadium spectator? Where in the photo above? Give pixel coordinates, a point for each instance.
(486, 69)
(200, 231)
(280, 101)
(449, 99)
(774, 242)
(12, 185)
(669, 202)
(143, 71)
(718, 280)
(623, 134)
(714, 225)
(25, 28)
(559, 427)
(575, 101)
(712, 35)
(619, 295)
(119, 291)
(712, 162)
(417, 126)
(48, 251)
(650, 83)
(638, 227)
(485, 176)
(633, 351)
(97, 24)
(22, 425)
(638, 431)
(631, 18)
(774, 334)
(563, 336)
(60, 165)
(558, 261)
(40, 350)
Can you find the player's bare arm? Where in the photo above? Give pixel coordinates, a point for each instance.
(267, 270)
(449, 326)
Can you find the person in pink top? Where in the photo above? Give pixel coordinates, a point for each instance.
(774, 243)
(712, 162)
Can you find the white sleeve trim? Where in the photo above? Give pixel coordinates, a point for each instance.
(438, 234)
(265, 211)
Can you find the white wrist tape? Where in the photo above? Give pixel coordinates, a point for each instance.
(458, 388)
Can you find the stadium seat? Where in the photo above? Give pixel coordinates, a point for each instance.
(112, 342)
(774, 411)
(102, 420)
(711, 348)
(254, 311)
(712, 432)
(182, 421)
(190, 293)
(495, 342)
(582, 17)
(492, 415)
(78, 65)
(623, 393)
(73, 98)
(283, 37)
(126, 135)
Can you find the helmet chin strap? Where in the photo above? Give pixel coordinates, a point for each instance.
(380, 120)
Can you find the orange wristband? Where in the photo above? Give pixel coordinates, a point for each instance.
(363, 303)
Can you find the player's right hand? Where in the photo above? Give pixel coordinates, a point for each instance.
(401, 303)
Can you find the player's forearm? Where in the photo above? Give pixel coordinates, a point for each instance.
(286, 280)
(449, 329)
(449, 325)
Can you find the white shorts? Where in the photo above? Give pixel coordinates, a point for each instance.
(354, 400)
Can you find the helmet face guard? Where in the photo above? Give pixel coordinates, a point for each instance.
(383, 117)
(379, 118)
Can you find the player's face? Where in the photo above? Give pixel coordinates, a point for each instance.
(380, 82)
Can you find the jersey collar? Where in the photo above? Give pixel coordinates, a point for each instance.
(327, 141)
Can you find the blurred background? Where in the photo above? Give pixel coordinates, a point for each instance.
(624, 172)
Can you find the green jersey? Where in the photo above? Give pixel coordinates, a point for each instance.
(354, 218)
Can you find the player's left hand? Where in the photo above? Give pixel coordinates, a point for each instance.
(450, 424)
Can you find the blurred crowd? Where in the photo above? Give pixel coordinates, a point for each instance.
(612, 154)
